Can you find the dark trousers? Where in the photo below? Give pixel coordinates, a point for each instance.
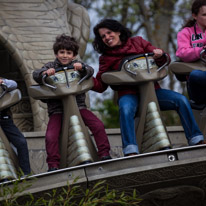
(54, 129)
(18, 140)
(97, 128)
(197, 86)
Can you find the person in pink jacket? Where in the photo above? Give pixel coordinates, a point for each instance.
(191, 40)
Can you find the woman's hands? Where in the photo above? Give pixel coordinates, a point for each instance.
(157, 53)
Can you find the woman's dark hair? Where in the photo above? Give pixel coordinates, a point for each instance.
(197, 4)
(112, 25)
(65, 42)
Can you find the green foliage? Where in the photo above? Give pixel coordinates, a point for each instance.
(9, 194)
(110, 114)
(171, 118)
(72, 195)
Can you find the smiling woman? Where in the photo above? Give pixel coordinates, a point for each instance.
(114, 42)
(110, 38)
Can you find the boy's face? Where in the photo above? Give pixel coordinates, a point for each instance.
(65, 56)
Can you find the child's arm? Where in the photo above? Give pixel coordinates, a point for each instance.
(37, 74)
(49, 72)
(11, 84)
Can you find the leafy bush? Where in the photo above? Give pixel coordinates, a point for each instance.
(110, 114)
(10, 193)
(72, 195)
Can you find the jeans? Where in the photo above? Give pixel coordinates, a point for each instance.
(18, 140)
(197, 86)
(168, 100)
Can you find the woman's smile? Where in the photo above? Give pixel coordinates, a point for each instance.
(109, 37)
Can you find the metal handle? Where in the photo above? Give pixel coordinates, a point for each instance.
(67, 81)
(84, 78)
(146, 55)
(201, 55)
(65, 68)
(137, 56)
(147, 62)
(166, 63)
(45, 84)
(5, 90)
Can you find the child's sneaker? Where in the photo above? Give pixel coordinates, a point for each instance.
(52, 169)
(108, 157)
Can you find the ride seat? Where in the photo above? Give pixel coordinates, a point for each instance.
(197, 106)
(181, 70)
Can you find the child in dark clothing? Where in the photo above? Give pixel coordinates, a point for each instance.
(12, 132)
(66, 49)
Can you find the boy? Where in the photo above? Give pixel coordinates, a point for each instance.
(66, 49)
(12, 132)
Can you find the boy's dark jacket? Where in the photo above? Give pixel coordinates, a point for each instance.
(54, 105)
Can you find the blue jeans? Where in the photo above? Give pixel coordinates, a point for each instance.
(168, 100)
(18, 140)
(197, 86)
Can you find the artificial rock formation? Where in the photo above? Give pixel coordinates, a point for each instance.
(27, 32)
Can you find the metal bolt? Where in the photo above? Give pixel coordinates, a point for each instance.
(171, 157)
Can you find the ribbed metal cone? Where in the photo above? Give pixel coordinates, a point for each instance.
(152, 115)
(7, 169)
(78, 151)
(3, 152)
(81, 159)
(154, 131)
(74, 120)
(75, 137)
(155, 137)
(158, 145)
(77, 144)
(74, 129)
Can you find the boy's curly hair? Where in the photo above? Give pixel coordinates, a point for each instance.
(65, 42)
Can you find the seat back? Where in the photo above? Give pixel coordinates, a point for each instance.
(75, 138)
(183, 69)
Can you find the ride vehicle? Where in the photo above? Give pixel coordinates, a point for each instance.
(182, 70)
(141, 71)
(9, 165)
(76, 145)
(150, 173)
